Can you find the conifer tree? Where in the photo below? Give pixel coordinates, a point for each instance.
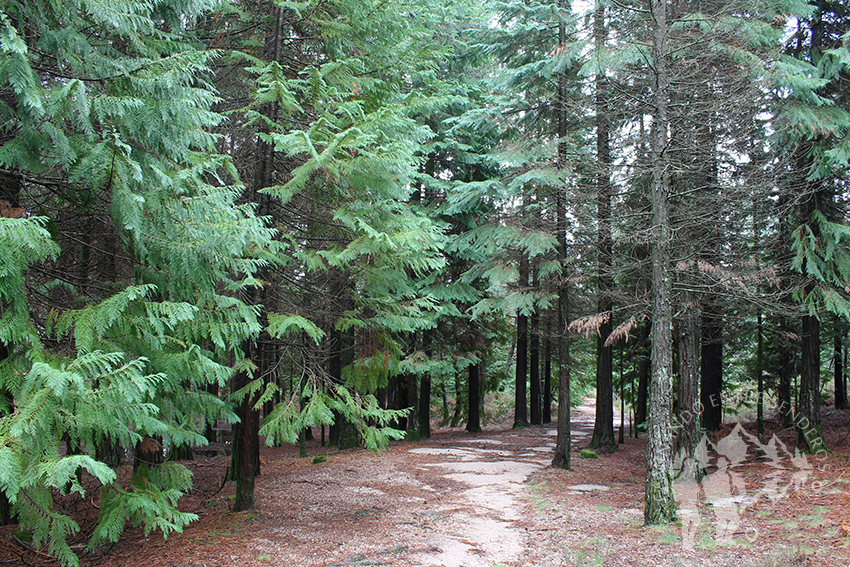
(107, 112)
(816, 119)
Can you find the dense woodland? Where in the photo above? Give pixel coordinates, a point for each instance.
(348, 218)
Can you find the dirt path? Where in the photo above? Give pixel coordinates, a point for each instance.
(486, 500)
(456, 500)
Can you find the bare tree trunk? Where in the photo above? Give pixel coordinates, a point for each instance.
(688, 438)
(459, 402)
(660, 500)
(712, 364)
(563, 440)
(473, 425)
(808, 422)
(521, 387)
(603, 429)
(644, 366)
(786, 371)
(425, 393)
(246, 447)
(411, 385)
(838, 366)
(547, 376)
(760, 377)
(534, 367)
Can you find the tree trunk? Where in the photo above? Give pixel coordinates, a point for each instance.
(341, 433)
(473, 425)
(688, 437)
(245, 460)
(838, 366)
(809, 429)
(245, 465)
(521, 393)
(547, 378)
(660, 500)
(459, 402)
(712, 365)
(534, 370)
(425, 393)
(410, 383)
(760, 378)
(563, 439)
(644, 366)
(786, 370)
(397, 398)
(425, 406)
(603, 429)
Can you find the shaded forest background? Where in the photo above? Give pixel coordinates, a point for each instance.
(354, 216)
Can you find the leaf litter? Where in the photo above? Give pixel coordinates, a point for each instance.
(478, 500)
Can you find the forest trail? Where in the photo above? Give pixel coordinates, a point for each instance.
(487, 500)
(456, 500)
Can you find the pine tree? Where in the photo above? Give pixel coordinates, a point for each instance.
(107, 113)
(816, 115)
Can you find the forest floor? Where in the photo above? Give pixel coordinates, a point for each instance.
(491, 499)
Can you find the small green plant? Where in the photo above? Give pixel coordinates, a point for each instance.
(665, 535)
(264, 557)
(319, 459)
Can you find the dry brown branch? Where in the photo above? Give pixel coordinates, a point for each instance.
(590, 323)
(623, 330)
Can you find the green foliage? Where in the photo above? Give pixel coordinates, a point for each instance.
(23, 242)
(317, 407)
(280, 325)
(825, 259)
(116, 123)
(150, 502)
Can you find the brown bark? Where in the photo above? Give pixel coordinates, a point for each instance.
(644, 366)
(688, 436)
(659, 498)
(547, 378)
(603, 429)
(563, 438)
(712, 365)
(535, 400)
(840, 379)
(521, 387)
(473, 425)
(808, 422)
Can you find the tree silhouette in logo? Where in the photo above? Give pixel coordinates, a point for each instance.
(711, 488)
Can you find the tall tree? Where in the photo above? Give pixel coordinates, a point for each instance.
(154, 313)
(563, 440)
(660, 500)
(521, 384)
(603, 429)
(817, 113)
